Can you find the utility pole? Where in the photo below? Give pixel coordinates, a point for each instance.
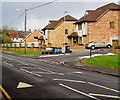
(25, 30)
(65, 28)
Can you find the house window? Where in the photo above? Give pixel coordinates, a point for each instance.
(79, 26)
(112, 24)
(35, 37)
(79, 40)
(66, 31)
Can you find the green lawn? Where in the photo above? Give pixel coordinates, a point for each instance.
(23, 52)
(108, 61)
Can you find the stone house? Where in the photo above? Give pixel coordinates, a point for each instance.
(102, 24)
(35, 37)
(57, 31)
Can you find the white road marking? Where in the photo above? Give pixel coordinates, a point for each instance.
(7, 63)
(10, 64)
(22, 63)
(30, 72)
(77, 72)
(111, 96)
(23, 85)
(29, 68)
(103, 87)
(8, 58)
(44, 72)
(69, 80)
(78, 91)
(48, 56)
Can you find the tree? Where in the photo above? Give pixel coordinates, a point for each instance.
(5, 37)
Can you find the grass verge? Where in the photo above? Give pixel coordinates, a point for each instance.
(108, 61)
(23, 52)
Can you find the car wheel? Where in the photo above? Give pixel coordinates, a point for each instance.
(93, 47)
(109, 46)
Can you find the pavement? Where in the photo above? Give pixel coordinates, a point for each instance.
(75, 60)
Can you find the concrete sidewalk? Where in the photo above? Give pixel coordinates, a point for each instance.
(74, 60)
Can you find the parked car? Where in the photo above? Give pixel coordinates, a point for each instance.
(97, 44)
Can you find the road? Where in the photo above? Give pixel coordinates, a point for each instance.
(33, 79)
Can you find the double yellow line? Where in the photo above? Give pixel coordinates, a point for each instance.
(5, 93)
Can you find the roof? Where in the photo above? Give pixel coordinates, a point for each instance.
(93, 15)
(74, 34)
(15, 35)
(30, 35)
(53, 23)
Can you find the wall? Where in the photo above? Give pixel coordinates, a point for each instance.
(101, 30)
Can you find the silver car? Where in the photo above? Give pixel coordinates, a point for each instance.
(96, 44)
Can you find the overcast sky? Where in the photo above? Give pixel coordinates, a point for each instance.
(39, 17)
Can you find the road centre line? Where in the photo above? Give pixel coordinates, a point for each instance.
(5, 93)
(78, 91)
(30, 67)
(30, 72)
(111, 96)
(69, 80)
(22, 63)
(103, 87)
(45, 70)
(8, 58)
(7, 63)
(76, 73)
(44, 73)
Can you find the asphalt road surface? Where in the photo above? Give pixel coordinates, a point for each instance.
(28, 78)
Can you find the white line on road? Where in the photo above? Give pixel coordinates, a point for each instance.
(7, 63)
(69, 80)
(78, 91)
(77, 72)
(29, 68)
(102, 95)
(103, 87)
(44, 72)
(8, 58)
(30, 72)
(48, 56)
(22, 63)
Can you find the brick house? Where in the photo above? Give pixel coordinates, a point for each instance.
(101, 24)
(35, 37)
(56, 32)
(15, 36)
